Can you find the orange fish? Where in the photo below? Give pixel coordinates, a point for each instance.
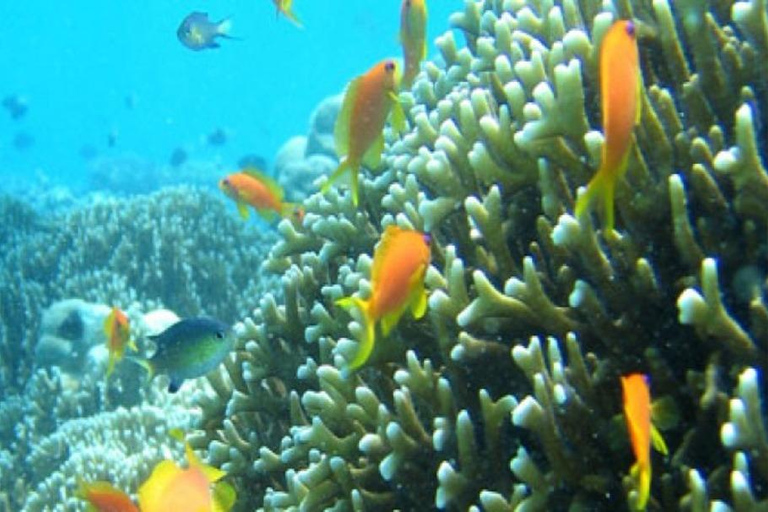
(252, 188)
(413, 37)
(637, 412)
(103, 497)
(397, 281)
(285, 7)
(620, 91)
(197, 488)
(359, 130)
(118, 331)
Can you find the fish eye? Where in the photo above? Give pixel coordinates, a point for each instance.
(389, 66)
(630, 28)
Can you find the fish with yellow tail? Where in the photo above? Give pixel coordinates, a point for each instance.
(117, 329)
(413, 37)
(285, 7)
(642, 433)
(104, 497)
(250, 187)
(359, 130)
(400, 262)
(620, 94)
(197, 488)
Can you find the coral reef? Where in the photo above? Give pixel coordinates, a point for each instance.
(507, 396)
(177, 247)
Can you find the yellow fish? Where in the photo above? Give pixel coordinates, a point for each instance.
(637, 412)
(413, 37)
(620, 93)
(400, 262)
(286, 8)
(118, 331)
(359, 130)
(195, 489)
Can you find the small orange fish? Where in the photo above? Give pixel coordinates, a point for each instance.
(118, 331)
(285, 7)
(359, 130)
(637, 412)
(397, 281)
(197, 488)
(620, 92)
(252, 188)
(413, 37)
(103, 497)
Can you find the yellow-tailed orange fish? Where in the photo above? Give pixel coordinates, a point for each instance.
(397, 282)
(197, 488)
(413, 37)
(103, 497)
(359, 130)
(620, 92)
(252, 188)
(118, 331)
(637, 412)
(285, 7)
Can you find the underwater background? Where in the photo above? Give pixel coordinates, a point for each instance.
(543, 355)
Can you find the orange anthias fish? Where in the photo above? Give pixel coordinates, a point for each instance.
(197, 488)
(637, 412)
(620, 91)
(359, 130)
(285, 7)
(103, 497)
(413, 37)
(252, 188)
(397, 281)
(118, 331)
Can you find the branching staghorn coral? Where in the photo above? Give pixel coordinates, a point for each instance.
(504, 131)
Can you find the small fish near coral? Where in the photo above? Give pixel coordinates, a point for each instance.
(413, 38)
(117, 329)
(285, 7)
(188, 349)
(400, 263)
(359, 130)
(197, 32)
(642, 433)
(620, 92)
(169, 488)
(252, 188)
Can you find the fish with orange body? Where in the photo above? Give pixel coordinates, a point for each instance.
(620, 94)
(413, 37)
(118, 332)
(197, 488)
(103, 497)
(285, 7)
(359, 129)
(642, 433)
(400, 262)
(250, 187)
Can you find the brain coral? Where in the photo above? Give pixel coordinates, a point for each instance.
(507, 397)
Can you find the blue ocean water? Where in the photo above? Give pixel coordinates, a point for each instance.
(112, 79)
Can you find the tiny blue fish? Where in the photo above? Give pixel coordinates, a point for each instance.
(188, 349)
(197, 32)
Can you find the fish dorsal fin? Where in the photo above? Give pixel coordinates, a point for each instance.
(343, 121)
(380, 254)
(211, 473)
(152, 489)
(268, 181)
(224, 497)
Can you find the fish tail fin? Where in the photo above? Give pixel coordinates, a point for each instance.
(224, 27)
(287, 9)
(601, 186)
(642, 476)
(343, 167)
(368, 341)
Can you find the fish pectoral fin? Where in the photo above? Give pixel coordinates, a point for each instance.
(398, 114)
(419, 303)
(242, 209)
(658, 442)
(372, 157)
